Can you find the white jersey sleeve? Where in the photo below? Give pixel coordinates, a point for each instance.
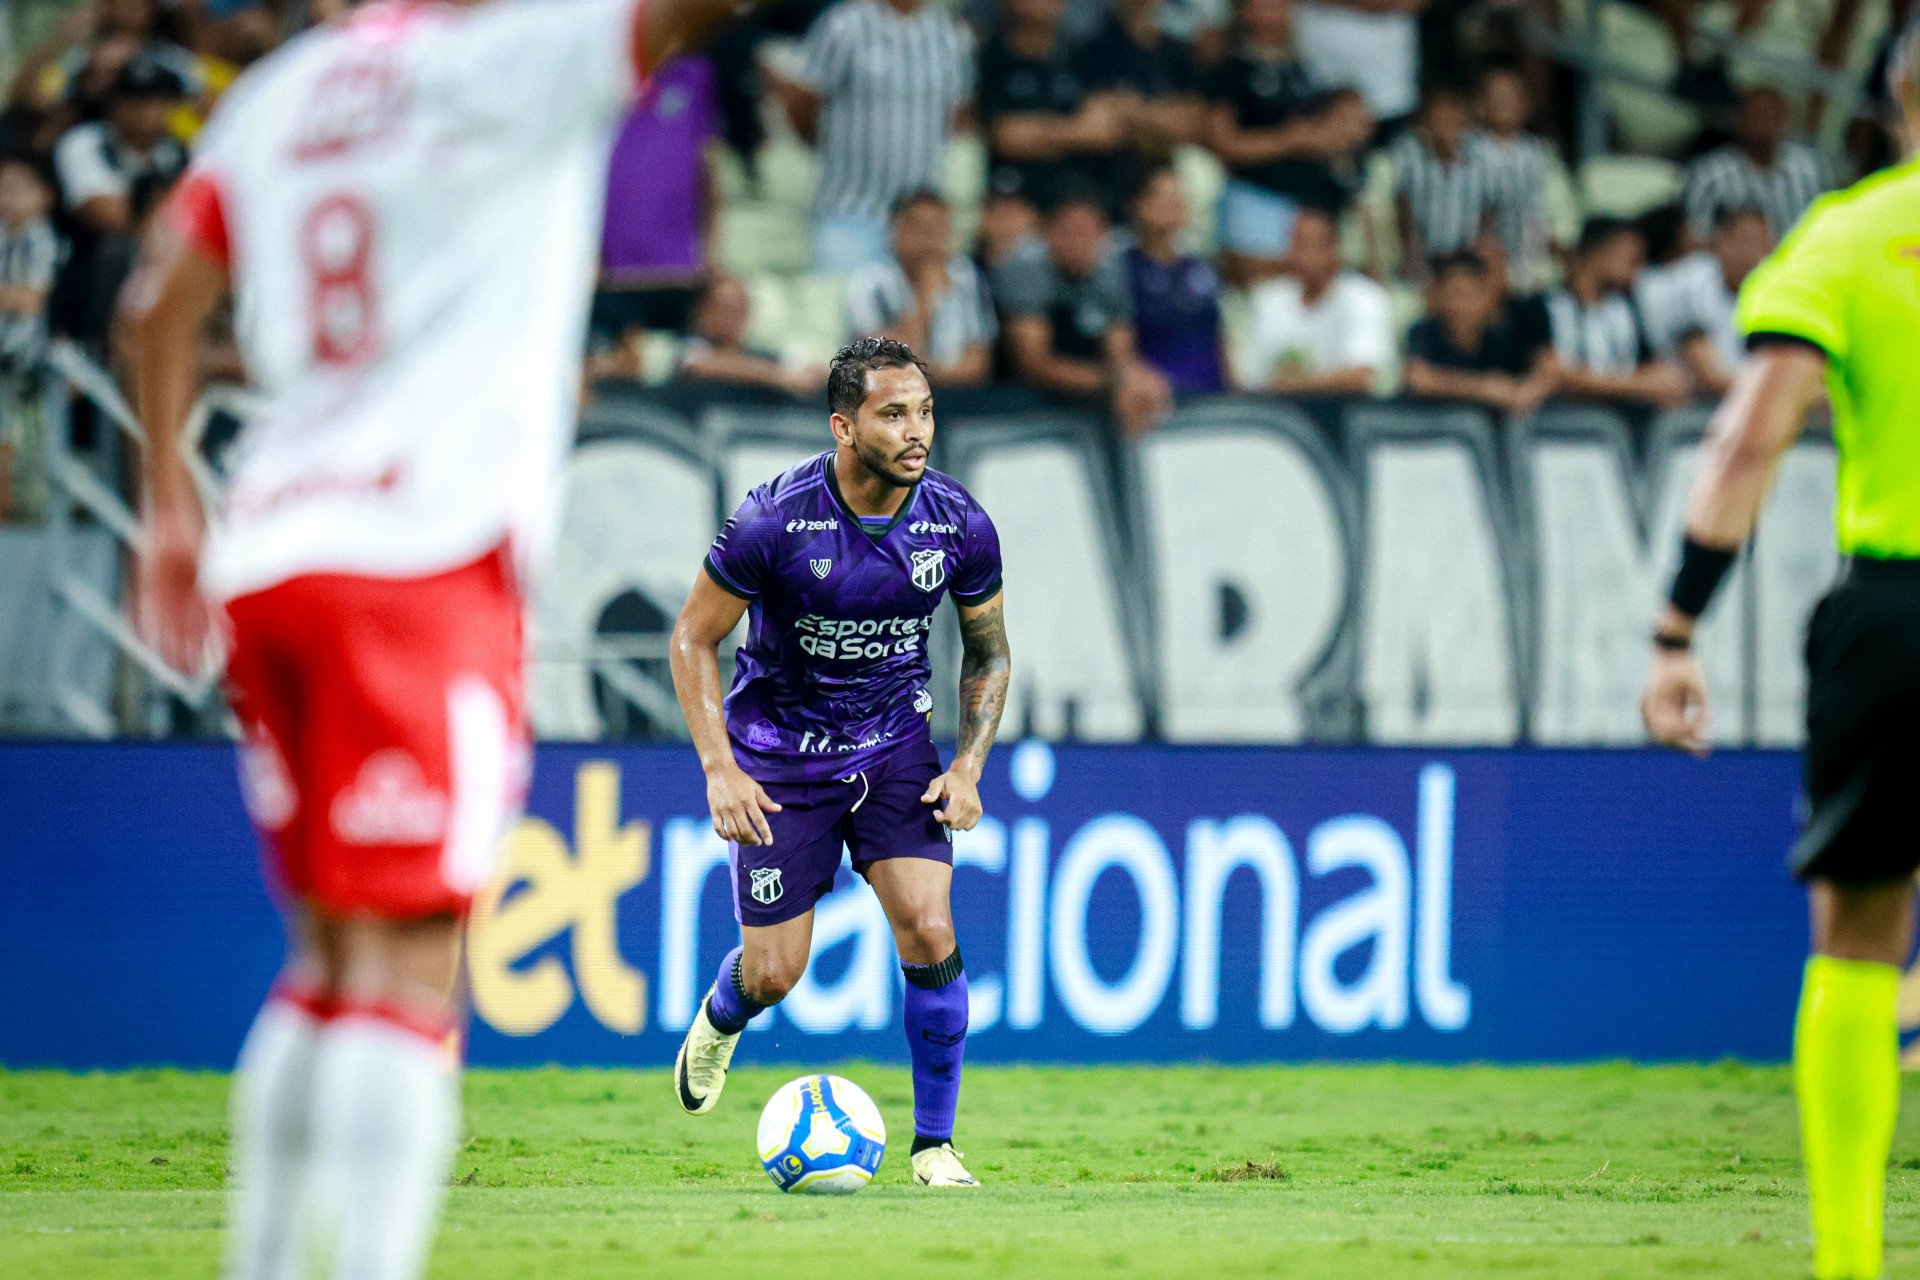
(215, 146)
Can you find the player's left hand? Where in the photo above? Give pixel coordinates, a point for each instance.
(959, 795)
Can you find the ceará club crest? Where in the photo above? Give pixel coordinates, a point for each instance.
(929, 568)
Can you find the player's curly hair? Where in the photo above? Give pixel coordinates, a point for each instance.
(847, 379)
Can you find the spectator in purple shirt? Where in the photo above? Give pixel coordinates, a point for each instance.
(660, 206)
(1176, 296)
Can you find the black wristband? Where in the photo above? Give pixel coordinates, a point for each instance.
(1702, 570)
(1671, 642)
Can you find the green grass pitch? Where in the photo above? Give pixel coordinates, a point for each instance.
(1372, 1172)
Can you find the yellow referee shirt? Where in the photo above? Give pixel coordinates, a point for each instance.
(1847, 280)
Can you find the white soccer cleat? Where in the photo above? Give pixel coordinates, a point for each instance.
(940, 1167)
(700, 1070)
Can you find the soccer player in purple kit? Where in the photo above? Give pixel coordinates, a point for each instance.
(823, 740)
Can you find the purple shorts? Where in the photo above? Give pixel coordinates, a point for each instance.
(876, 814)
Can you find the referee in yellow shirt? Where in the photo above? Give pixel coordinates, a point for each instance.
(1838, 302)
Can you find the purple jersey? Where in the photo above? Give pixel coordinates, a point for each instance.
(834, 672)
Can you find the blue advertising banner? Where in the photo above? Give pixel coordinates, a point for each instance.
(1132, 903)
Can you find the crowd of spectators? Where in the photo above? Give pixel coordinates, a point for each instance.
(1078, 278)
(99, 122)
(1081, 283)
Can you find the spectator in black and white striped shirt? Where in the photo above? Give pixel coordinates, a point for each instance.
(879, 87)
(927, 296)
(29, 254)
(1689, 305)
(1515, 164)
(1761, 168)
(1599, 337)
(1442, 192)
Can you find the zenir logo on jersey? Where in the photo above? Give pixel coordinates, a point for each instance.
(821, 568)
(764, 885)
(929, 569)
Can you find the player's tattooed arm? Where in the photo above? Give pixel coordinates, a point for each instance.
(985, 671)
(986, 667)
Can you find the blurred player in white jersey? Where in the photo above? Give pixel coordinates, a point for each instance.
(404, 206)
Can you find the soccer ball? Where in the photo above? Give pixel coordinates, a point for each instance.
(823, 1135)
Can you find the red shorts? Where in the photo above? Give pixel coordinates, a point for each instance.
(386, 744)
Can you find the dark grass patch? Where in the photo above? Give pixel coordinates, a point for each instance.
(1245, 1171)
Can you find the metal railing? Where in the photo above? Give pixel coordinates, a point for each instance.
(86, 493)
(86, 490)
(1582, 51)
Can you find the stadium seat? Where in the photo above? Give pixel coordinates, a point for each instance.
(1375, 213)
(1358, 245)
(1645, 120)
(1409, 303)
(1628, 186)
(1563, 202)
(659, 357)
(1203, 178)
(966, 226)
(799, 318)
(789, 172)
(1789, 29)
(964, 183)
(964, 178)
(1236, 316)
(730, 184)
(754, 237)
(816, 324)
(1630, 36)
(770, 309)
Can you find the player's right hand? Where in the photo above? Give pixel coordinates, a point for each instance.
(740, 807)
(171, 613)
(1674, 705)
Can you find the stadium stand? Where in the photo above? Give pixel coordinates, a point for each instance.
(1625, 114)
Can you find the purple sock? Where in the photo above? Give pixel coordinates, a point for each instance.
(728, 1007)
(936, 1008)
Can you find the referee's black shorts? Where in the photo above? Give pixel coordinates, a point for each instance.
(1863, 727)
